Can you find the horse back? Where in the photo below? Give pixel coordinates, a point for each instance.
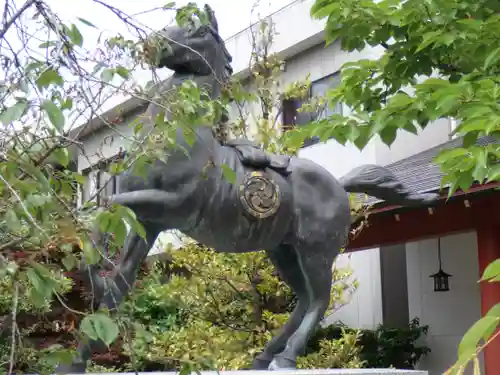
(321, 204)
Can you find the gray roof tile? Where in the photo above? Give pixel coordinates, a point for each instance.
(419, 171)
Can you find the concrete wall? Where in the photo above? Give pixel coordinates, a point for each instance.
(448, 314)
(364, 309)
(407, 144)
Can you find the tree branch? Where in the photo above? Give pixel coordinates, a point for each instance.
(14, 18)
(15, 301)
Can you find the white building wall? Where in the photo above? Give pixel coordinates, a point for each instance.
(364, 309)
(448, 314)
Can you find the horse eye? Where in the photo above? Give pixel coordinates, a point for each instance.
(202, 31)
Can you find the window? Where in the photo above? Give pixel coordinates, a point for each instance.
(97, 179)
(320, 88)
(292, 117)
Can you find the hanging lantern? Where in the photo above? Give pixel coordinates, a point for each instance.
(441, 278)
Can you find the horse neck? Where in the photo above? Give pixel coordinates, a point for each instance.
(176, 79)
(204, 134)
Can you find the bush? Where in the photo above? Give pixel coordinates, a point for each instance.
(344, 352)
(381, 348)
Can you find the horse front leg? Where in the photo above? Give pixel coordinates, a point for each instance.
(120, 283)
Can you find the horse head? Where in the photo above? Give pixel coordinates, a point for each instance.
(195, 49)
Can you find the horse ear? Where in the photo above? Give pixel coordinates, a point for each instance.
(211, 17)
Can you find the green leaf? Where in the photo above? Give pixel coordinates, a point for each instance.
(78, 177)
(55, 114)
(388, 135)
(481, 167)
(448, 154)
(37, 200)
(37, 174)
(120, 232)
(56, 357)
(122, 72)
(69, 262)
(400, 101)
(13, 113)
(90, 254)
(49, 77)
(41, 279)
(473, 124)
(12, 220)
(472, 337)
(99, 326)
(494, 311)
(62, 156)
(228, 173)
(470, 139)
(116, 168)
(465, 181)
(492, 271)
(107, 75)
(85, 22)
(50, 43)
(129, 216)
(186, 369)
(104, 221)
(74, 35)
(67, 103)
(428, 39)
(492, 58)
(170, 5)
(494, 173)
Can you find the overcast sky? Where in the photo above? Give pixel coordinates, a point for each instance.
(233, 15)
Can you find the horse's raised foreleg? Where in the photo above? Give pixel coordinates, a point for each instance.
(285, 261)
(316, 268)
(146, 198)
(121, 281)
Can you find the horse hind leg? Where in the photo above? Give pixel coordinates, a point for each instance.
(316, 269)
(285, 261)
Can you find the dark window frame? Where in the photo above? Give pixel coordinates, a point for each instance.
(99, 170)
(292, 118)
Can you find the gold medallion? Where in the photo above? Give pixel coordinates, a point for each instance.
(259, 195)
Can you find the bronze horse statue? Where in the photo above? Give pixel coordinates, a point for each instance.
(289, 206)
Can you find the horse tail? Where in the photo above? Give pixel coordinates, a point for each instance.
(380, 182)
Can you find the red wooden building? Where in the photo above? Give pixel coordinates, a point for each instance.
(475, 210)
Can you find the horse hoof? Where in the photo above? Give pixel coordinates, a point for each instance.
(282, 363)
(73, 368)
(261, 361)
(260, 364)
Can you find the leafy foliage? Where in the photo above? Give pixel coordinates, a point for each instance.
(436, 63)
(383, 347)
(438, 59)
(214, 308)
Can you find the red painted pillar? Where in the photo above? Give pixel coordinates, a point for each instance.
(488, 243)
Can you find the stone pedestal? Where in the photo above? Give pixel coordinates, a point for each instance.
(293, 372)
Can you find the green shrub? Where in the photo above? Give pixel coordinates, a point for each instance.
(383, 347)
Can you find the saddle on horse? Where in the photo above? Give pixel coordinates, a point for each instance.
(252, 155)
